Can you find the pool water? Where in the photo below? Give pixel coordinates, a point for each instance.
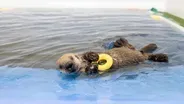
(32, 40)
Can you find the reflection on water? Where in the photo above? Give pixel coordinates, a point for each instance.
(37, 38)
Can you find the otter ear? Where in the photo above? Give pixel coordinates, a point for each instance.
(91, 56)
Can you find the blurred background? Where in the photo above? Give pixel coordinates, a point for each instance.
(172, 6)
(144, 4)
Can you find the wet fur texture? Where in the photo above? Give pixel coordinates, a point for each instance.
(123, 54)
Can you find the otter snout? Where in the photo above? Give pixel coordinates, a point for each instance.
(69, 68)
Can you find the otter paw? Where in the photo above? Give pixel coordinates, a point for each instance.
(92, 69)
(122, 42)
(158, 58)
(91, 56)
(149, 48)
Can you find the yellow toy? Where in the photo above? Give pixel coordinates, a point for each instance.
(155, 17)
(107, 65)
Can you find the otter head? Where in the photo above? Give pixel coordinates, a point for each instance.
(71, 63)
(76, 63)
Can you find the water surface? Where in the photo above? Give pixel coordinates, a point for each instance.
(31, 40)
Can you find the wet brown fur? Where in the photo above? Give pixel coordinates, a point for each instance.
(123, 54)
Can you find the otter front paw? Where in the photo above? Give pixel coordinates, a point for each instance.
(91, 56)
(92, 69)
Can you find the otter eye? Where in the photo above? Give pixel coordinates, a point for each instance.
(71, 58)
(84, 61)
(76, 56)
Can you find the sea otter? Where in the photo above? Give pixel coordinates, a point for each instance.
(123, 54)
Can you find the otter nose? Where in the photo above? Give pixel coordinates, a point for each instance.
(70, 67)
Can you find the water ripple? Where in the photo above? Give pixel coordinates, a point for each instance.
(36, 38)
